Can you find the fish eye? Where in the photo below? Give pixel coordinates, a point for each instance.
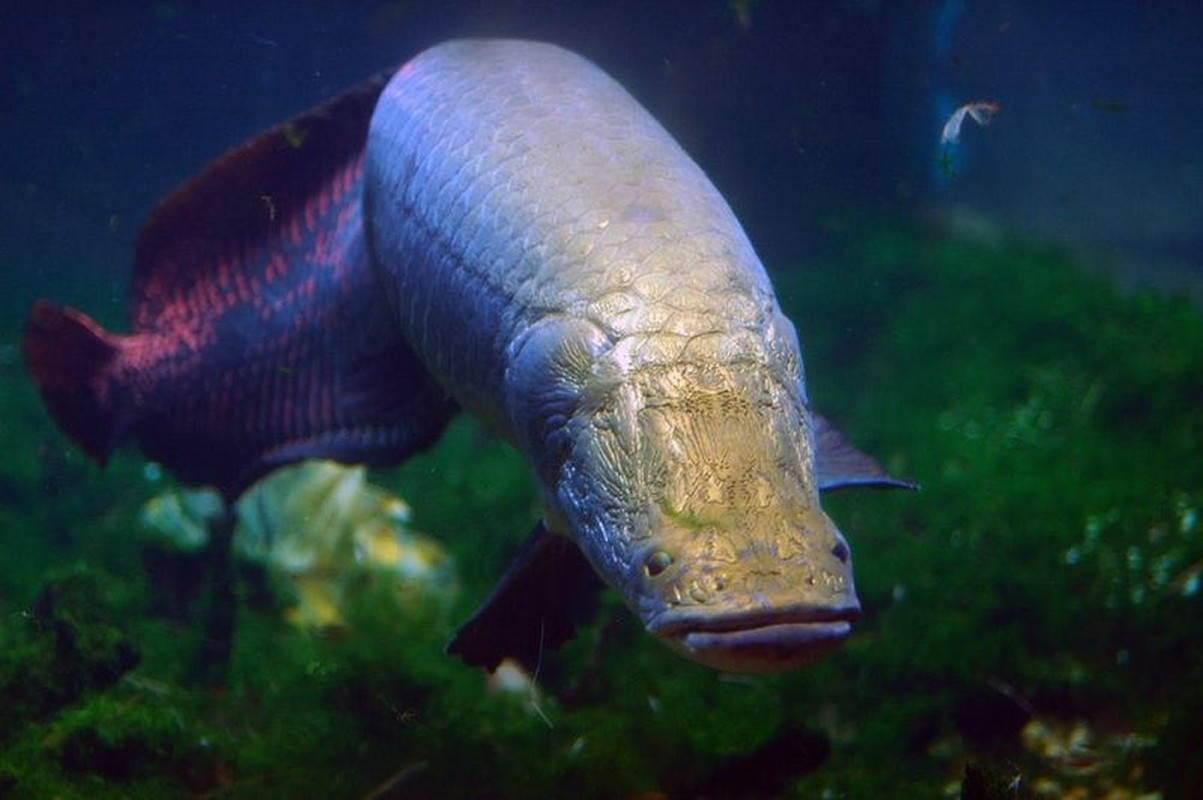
(657, 562)
(840, 551)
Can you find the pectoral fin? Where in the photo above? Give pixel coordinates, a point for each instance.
(536, 606)
(840, 465)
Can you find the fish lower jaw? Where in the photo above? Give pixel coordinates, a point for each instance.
(761, 644)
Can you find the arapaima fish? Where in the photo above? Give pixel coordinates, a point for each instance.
(498, 227)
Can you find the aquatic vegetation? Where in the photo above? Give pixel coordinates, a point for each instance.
(71, 644)
(1024, 396)
(323, 532)
(1047, 573)
(134, 734)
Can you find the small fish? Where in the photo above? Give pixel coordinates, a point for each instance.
(501, 229)
(981, 112)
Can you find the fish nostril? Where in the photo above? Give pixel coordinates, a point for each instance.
(840, 551)
(657, 562)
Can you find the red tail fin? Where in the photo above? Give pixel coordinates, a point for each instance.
(71, 359)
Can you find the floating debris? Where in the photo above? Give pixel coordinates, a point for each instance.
(323, 532)
(1082, 763)
(982, 112)
(182, 518)
(511, 678)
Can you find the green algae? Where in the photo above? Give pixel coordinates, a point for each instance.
(1028, 399)
(70, 645)
(1034, 404)
(1052, 552)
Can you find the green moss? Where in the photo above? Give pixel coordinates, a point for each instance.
(137, 739)
(1054, 550)
(71, 646)
(1054, 426)
(127, 736)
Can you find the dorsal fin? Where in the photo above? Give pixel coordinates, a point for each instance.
(250, 195)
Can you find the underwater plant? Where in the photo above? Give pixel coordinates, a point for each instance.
(1042, 578)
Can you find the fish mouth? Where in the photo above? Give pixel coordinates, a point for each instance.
(760, 642)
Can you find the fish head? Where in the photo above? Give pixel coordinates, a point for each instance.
(692, 491)
(748, 596)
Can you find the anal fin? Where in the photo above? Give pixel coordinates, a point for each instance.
(539, 601)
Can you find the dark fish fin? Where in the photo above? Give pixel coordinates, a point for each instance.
(840, 465)
(270, 191)
(71, 359)
(547, 591)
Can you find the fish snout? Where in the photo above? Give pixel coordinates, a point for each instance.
(773, 603)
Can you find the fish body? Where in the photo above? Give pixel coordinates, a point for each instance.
(536, 247)
(614, 322)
